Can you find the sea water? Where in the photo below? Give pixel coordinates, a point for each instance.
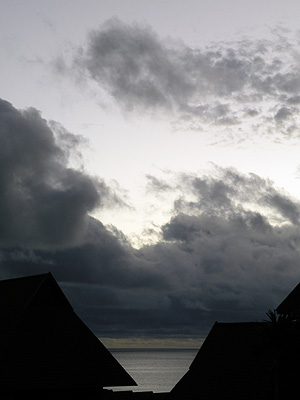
(156, 370)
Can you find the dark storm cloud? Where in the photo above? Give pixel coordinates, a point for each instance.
(221, 257)
(218, 259)
(211, 85)
(233, 258)
(43, 202)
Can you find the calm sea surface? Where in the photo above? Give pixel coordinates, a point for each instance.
(157, 370)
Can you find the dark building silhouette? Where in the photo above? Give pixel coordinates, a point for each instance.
(233, 363)
(251, 360)
(291, 304)
(45, 349)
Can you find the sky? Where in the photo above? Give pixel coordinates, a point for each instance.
(149, 159)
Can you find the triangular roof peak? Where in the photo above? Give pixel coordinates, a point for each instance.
(20, 293)
(231, 358)
(45, 345)
(291, 304)
(48, 294)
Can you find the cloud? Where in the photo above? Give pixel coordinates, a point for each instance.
(226, 257)
(199, 87)
(130, 62)
(43, 201)
(157, 185)
(283, 113)
(229, 253)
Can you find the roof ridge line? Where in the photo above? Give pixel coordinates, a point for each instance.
(38, 287)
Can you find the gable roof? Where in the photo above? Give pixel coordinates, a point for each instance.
(291, 303)
(45, 345)
(20, 293)
(233, 362)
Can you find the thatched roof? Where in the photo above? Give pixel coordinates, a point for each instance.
(44, 344)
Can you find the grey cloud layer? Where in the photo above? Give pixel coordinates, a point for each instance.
(241, 84)
(233, 261)
(230, 251)
(217, 260)
(43, 202)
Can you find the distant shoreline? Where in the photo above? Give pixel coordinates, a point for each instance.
(153, 343)
(166, 349)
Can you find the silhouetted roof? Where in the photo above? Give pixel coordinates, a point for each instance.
(44, 344)
(233, 363)
(18, 294)
(291, 303)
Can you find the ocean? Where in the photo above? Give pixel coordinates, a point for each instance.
(156, 370)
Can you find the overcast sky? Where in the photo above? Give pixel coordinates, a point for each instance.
(149, 158)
